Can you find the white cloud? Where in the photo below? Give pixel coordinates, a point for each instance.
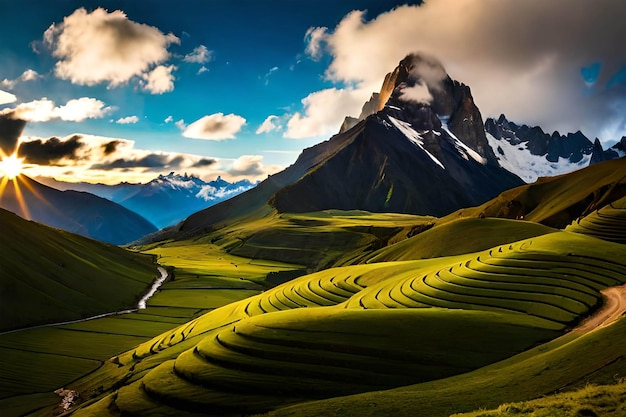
(200, 55)
(102, 47)
(28, 75)
(315, 37)
(128, 120)
(75, 110)
(6, 98)
(418, 93)
(247, 164)
(168, 119)
(202, 70)
(531, 75)
(268, 125)
(160, 80)
(215, 127)
(34, 111)
(269, 73)
(181, 124)
(324, 112)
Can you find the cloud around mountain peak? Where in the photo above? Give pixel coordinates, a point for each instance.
(531, 75)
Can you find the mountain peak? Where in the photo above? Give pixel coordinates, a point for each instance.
(421, 89)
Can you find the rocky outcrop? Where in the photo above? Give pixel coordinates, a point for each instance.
(616, 151)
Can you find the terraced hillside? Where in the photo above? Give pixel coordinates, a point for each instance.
(607, 223)
(365, 328)
(48, 275)
(556, 201)
(466, 313)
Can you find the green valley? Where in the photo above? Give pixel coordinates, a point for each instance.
(380, 314)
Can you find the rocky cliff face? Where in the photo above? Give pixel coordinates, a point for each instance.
(600, 154)
(420, 85)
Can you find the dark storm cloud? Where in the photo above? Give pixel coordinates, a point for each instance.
(10, 130)
(149, 161)
(50, 151)
(204, 162)
(111, 147)
(176, 162)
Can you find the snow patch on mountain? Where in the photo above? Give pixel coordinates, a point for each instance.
(529, 167)
(465, 151)
(211, 193)
(411, 134)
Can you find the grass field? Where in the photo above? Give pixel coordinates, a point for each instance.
(477, 235)
(465, 315)
(347, 330)
(34, 363)
(314, 240)
(593, 400)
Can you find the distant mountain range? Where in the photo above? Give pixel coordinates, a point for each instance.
(167, 199)
(77, 212)
(530, 152)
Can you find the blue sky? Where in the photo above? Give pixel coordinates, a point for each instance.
(187, 85)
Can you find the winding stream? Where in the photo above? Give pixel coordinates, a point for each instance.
(155, 287)
(140, 306)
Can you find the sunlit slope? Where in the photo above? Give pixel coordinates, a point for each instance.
(48, 275)
(607, 223)
(556, 201)
(458, 237)
(569, 362)
(322, 335)
(555, 277)
(315, 240)
(603, 400)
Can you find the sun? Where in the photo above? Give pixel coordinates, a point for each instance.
(11, 166)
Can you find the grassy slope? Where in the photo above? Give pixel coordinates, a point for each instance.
(458, 237)
(568, 362)
(603, 400)
(47, 275)
(556, 201)
(315, 240)
(564, 363)
(158, 380)
(172, 379)
(35, 362)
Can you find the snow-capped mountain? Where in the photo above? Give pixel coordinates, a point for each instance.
(530, 152)
(167, 199)
(78, 212)
(406, 154)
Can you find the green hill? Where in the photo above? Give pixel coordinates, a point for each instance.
(48, 275)
(426, 317)
(367, 328)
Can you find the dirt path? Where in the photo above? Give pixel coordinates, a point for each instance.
(612, 309)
